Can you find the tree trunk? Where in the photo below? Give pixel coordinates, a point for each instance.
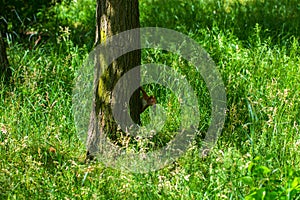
(112, 17)
(5, 71)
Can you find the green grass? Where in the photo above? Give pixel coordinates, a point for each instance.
(255, 45)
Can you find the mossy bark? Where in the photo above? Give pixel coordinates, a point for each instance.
(112, 17)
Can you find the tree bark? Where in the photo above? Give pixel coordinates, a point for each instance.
(5, 71)
(112, 17)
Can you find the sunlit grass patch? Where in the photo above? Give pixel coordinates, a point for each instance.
(255, 45)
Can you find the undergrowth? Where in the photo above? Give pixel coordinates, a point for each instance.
(255, 45)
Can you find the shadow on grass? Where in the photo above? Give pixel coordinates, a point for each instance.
(280, 18)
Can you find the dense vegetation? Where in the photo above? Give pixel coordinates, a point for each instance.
(255, 45)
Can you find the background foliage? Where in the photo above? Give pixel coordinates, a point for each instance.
(255, 45)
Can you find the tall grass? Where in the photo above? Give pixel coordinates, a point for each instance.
(255, 45)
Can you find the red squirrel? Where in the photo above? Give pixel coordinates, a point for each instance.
(150, 100)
